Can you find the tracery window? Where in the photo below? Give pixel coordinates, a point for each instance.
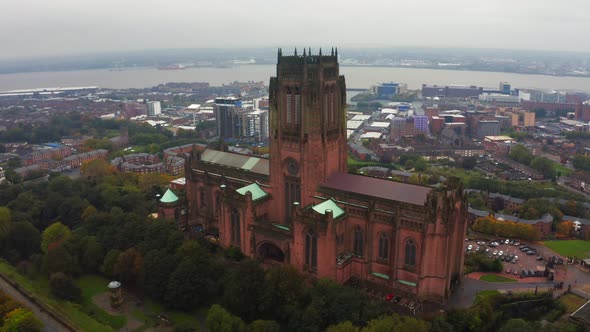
(383, 246)
(311, 250)
(410, 257)
(236, 237)
(358, 241)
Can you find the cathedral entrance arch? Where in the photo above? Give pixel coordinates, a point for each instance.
(270, 251)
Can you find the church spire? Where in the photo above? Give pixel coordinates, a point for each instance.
(304, 51)
(320, 51)
(296, 51)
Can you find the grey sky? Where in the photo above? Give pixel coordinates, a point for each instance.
(41, 27)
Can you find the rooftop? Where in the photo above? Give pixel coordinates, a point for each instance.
(379, 188)
(254, 189)
(244, 162)
(169, 197)
(328, 205)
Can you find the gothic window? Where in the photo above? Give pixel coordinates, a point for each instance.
(358, 241)
(332, 110)
(292, 194)
(202, 197)
(218, 202)
(235, 227)
(297, 112)
(311, 250)
(383, 246)
(288, 106)
(410, 258)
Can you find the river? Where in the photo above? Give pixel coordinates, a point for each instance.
(356, 77)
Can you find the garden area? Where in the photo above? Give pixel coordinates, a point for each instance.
(570, 248)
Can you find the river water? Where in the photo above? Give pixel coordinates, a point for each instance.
(356, 77)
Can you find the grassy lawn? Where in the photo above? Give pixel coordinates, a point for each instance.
(495, 278)
(572, 302)
(92, 285)
(39, 288)
(570, 248)
(480, 296)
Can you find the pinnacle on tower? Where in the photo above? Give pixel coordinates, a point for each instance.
(320, 51)
(304, 51)
(332, 51)
(295, 50)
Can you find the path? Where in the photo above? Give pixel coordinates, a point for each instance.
(50, 324)
(465, 295)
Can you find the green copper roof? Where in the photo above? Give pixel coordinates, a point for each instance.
(283, 227)
(328, 205)
(405, 282)
(169, 197)
(253, 188)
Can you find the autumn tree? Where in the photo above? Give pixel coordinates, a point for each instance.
(54, 235)
(128, 265)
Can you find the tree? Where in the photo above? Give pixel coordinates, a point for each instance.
(108, 265)
(245, 290)
(54, 235)
(128, 265)
(59, 260)
(521, 154)
(220, 320)
(343, 327)
(93, 254)
(566, 228)
(22, 241)
(287, 289)
(420, 165)
(155, 272)
(21, 320)
(96, 169)
(469, 162)
(5, 219)
(518, 325)
(264, 326)
(63, 287)
(191, 283)
(544, 166)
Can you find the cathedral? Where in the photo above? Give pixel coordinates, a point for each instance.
(301, 207)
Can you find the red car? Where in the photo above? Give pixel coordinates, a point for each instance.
(389, 297)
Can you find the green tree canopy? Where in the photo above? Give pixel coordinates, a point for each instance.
(54, 235)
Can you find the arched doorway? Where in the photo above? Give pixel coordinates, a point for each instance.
(269, 251)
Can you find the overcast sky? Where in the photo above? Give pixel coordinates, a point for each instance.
(41, 27)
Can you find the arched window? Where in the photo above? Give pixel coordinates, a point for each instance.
(202, 197)
(297, 113)
(236, 238)
(311, 250)
(383, 246)
(358, 241)
(218, 202)
(288, 106)
(410, 258)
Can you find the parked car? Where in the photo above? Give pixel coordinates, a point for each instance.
(511, 242)
(469, 247)
(501, 253)
(396, 299)
(495, 253)
(540, 258)
(515, 272)
(506, 241)
(477, 248)
(517, 243)
(530, 252)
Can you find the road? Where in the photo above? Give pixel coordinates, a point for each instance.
(50, 324)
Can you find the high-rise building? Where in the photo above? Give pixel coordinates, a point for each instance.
(228, 114)
(154, 108)
(256, 125)
(301, 207)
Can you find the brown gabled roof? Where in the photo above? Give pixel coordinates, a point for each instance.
(380, 188)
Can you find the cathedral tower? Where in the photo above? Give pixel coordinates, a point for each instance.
(307, 127)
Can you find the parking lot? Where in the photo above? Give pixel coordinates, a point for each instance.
(533, 265)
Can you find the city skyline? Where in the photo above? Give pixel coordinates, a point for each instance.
(107, 26)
